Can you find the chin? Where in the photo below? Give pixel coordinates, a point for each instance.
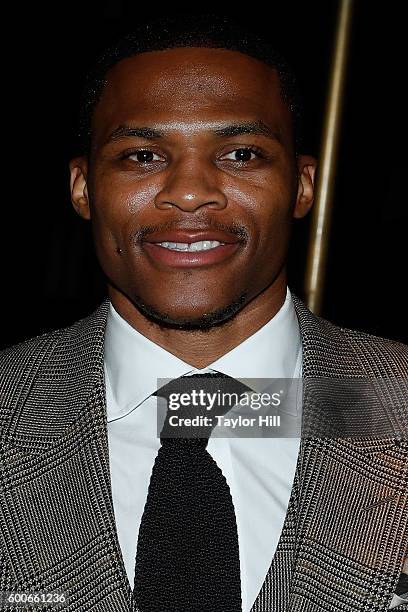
(198, 318)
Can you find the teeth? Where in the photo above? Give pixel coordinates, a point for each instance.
(202, 245)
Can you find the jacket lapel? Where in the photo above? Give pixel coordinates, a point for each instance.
(349, 541)
(56, 508)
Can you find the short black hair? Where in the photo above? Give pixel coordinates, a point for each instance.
(205, 30)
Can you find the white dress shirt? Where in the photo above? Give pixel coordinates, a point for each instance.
(259, 471)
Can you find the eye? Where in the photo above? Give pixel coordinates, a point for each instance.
(144, 156)
(243, 154)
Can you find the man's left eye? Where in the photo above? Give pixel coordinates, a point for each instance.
(241, 155)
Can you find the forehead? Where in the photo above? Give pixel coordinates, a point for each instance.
(190, 85)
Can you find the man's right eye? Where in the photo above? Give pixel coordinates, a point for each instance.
(143, 156)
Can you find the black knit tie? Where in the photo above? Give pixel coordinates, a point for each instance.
(187, 556)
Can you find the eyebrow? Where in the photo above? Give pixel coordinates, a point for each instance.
(258, 128)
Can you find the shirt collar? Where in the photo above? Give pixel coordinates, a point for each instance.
(133, 363)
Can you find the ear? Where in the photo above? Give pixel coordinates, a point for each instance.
(305, 195)
(79, 189)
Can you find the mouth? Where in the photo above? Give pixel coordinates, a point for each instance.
(191, 249)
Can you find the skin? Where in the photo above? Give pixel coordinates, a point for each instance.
(195, 178)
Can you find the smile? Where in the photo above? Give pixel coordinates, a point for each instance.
(190, 254)
(201, 245)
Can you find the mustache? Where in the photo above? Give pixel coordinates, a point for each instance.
(233, 228)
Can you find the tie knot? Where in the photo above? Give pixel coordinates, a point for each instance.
(194, 402)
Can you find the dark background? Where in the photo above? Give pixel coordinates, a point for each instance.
(51, 274)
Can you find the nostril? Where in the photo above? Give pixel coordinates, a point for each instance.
(190, 203)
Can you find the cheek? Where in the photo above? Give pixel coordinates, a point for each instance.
(140, 202)
(119, 207)
(267, 208)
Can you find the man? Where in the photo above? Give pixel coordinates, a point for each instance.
(191, 178)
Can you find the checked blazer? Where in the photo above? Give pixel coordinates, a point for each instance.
(344, 538)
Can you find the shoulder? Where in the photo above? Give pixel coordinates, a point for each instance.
(376, 345)
(378, 355)
(19, 355)
(340, 348)
(52, 355)
(19, 364)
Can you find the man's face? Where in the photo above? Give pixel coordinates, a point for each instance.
(191, 145)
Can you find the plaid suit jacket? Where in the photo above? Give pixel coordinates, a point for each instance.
(344, 538)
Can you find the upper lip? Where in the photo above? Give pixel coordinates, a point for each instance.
(191, 236)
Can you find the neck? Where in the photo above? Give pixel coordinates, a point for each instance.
(197, 348)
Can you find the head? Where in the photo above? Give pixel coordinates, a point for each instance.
(190, 133)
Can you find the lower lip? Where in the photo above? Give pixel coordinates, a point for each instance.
(190, 259)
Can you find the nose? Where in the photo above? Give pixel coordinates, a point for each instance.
(190, 184)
